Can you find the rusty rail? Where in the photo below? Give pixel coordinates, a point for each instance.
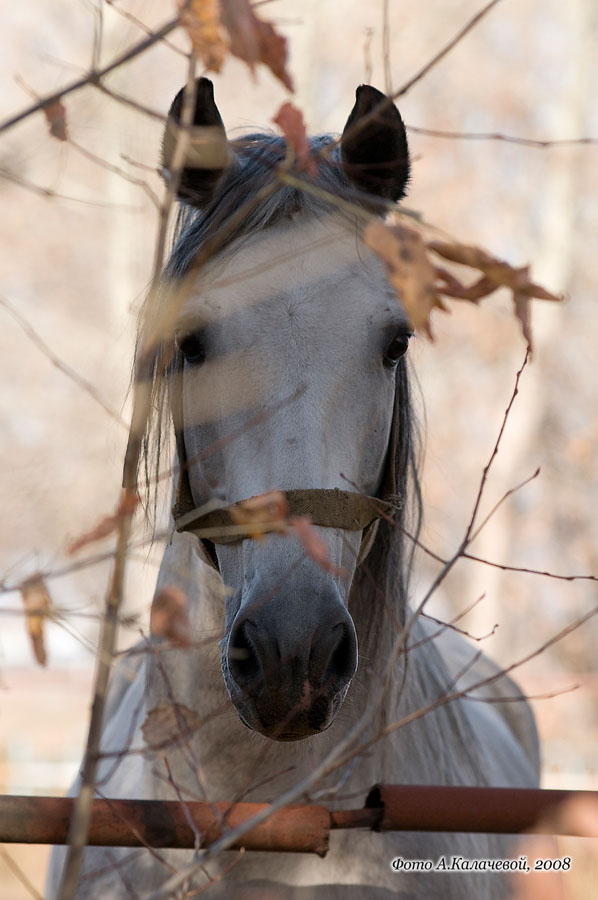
(297, 829)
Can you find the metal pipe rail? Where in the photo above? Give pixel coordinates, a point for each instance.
(296, 829)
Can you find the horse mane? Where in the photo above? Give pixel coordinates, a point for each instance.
(245, 185)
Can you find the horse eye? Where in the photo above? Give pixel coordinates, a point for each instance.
(192, 347)
(396, 349)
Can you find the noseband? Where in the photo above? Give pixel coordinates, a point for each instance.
(328, 508)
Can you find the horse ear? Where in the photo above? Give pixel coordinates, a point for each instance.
(375, 155)
(209, 153)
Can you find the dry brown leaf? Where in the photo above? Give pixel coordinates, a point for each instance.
(37, 602)
(255, 41)
(410, 272)
(420, 284)
(496, 273)
(290, 121)
(168, 724)
(258, 514)
(55, 114)
(201, 21)
(313, 544)
(126, 507)
(169, 616)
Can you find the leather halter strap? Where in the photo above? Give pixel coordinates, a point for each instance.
(328, 508)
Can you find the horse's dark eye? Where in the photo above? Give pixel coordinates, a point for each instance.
(396, 349)
(192, 347)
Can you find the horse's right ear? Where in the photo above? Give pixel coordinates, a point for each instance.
(209, 153)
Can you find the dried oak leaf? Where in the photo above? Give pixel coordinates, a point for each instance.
(409, 269)
(496, 273)
(168, 724)
(169, 616)
(313, 544)
(259, 514)
(290, 121)
(37, 603)
(201, 21)
(126, 507)
(254, 40)
(55, 114)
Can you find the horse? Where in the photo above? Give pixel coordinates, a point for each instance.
(286, 371)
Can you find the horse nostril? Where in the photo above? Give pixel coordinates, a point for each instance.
(341, 665)
(243, 661)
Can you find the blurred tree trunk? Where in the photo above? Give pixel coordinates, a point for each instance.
(506, 538)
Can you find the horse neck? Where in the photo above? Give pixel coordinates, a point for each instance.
(231, 756)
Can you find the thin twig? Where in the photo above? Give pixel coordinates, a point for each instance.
(141, 25)
(120, 872)
(500, 502)
(446, 49)
(51, 194)
(547, 695)
(136, 832)
(98, 35)
(184, 805)
(534, 143)
(386, 47)
(453, 627)
(95, 560)
(525, 571)
(18, 873)
(128, 101)
(110, 167)
(214, 879)
(67, 370)
(468, 534)
(93, 76)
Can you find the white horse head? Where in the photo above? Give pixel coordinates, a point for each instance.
(295, 324)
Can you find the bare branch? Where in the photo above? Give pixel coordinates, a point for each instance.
(128, 101)
(67, 370)
(500, 502)
(454, 627)
(143, 27)
(446, 49)
(534, 143)
(92, 77)
(51, 194)
(18, 873)
(525, 571)
(468, 534)
(110, 167)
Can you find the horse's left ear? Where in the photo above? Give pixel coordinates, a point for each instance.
(374, 153)
(209, 153)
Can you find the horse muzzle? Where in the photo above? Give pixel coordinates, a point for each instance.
(288, 665)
